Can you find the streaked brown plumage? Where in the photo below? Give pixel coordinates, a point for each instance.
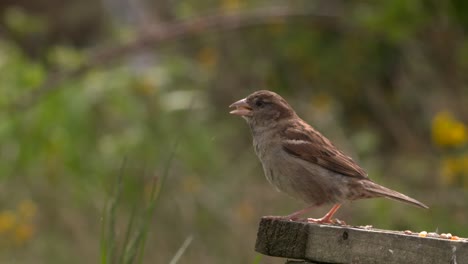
(301, 162)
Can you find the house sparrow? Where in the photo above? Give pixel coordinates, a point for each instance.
(301, 162)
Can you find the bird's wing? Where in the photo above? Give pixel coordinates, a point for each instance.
(308, 144)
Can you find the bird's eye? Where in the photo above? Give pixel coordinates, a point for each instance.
(259, 103)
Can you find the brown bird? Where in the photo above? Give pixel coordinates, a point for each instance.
(301, 162)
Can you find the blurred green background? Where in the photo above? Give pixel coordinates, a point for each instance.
(86, 84)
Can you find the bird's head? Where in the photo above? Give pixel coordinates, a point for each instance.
(262, 107)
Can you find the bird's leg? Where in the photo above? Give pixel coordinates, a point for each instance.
(327, 217)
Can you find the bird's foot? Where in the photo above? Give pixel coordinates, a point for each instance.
(325, 220)
(337, 221)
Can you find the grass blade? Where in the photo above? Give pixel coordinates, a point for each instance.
(128, 232)
(108, 240)
(104, 235)
(155, 193)
(181, 250)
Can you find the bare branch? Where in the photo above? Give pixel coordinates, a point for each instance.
(169, 32)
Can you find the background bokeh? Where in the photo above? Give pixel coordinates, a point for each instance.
(88, 84)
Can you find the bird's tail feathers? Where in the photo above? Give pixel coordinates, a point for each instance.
(379, 190)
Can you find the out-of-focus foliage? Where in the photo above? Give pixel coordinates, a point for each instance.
(386, 81)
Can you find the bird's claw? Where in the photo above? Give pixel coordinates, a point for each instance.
(325, 220)
(319, 220)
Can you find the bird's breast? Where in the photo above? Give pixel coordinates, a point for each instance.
(298, 178)
(262, 146)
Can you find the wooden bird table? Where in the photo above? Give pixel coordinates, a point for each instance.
(303, 243)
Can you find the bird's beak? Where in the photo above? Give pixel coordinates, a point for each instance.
(242, 108)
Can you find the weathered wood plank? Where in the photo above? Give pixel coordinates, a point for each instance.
(344, 244)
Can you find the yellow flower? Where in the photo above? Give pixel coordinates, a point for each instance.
(191, 184)
(277, 26)
(449, 170)
(23, 232)
(16, 226)
(144, 86)
(229, 5)
(207, 57)
(322, 102)
(453, 168)
(458, 135)
(7, 221)
(27, 209)
(448, 131)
